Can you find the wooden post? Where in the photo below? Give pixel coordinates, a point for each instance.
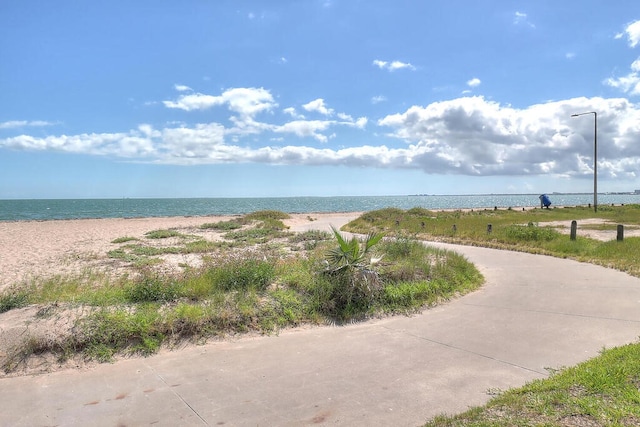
(620, 236)
(454, 228)
(574, 229)
(489, 228)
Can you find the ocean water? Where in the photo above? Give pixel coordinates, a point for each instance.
(42, 209)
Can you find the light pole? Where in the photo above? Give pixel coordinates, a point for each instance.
(595, 156)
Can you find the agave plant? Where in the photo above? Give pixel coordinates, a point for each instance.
(352, 253)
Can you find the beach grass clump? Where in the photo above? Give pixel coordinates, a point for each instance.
(239, 290)
(603, 391)
(530, 232)
(266, 215)
(12, 299)
(163, 234)
(223, 225)
(124, 239)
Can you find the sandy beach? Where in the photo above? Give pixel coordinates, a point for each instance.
(30, 249)
(45, 248)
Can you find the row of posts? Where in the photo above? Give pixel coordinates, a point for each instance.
(573, 235)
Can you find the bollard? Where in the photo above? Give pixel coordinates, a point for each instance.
(489, 228)
(574, 229)
(620, 236)
(454, 228)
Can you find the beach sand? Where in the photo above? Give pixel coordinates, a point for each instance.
(31, 249)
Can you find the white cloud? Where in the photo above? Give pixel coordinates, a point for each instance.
(293, 113)
(474, 82)
(630, 83)
(182, 88)
(468, 135)
(633, 33)
(521, 18)
(570, 55)
(378, 99)
(318, 106)
(12, 124)
(306, 128)
(244, 101)
(393, 65)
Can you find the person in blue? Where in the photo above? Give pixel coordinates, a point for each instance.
(545, 201)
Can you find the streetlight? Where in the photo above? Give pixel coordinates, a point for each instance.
(595, 156)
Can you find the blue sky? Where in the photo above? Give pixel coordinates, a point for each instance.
(316, 97)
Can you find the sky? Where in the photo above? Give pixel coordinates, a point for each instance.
(222, 98)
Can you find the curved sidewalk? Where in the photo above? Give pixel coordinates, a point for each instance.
(533, 313)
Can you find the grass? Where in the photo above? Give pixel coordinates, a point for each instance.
(259, 287)
(514, 230)
(603, 391)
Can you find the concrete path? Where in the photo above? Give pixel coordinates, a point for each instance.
(534, 313)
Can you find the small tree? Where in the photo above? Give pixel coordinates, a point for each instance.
(354, 283)
(349, 255)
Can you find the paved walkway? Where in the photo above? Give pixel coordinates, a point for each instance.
(534, 313)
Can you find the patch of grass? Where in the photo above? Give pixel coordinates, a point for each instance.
(13, 299)
(124, 239)
(243, 274)
(252, 236)
(507, 231)
(604, 391)
(266, 215)
(163, 234)
(223, 225)
(530, 232)
(153, 289)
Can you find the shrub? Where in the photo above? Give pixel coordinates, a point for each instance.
(531, 232)
(162, 234)
(222, 225)
(243, 274)
(12, 300)
(152, 289)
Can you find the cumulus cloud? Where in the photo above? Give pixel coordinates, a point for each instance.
(630, 83)
(182, 88)
(378, 99)
(633, 33)
(393, 65)
(318, 106)
(468, 135)
(244, 101)
(474, 136)
(474, 82)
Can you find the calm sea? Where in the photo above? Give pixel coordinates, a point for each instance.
(41, 209)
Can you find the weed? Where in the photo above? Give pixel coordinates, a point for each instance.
(163, 234)
(13, 299)
(223, 225)
(124, 239)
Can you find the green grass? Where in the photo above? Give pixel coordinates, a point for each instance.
(514, 230)
(235, 291)
(603, 391)
(163, 234)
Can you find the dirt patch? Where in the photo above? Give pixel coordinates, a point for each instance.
(593, 228)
